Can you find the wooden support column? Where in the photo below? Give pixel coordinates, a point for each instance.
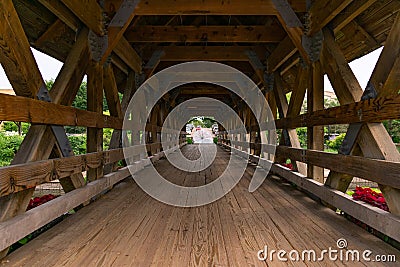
(271, 134)
(95, 104)
(315, 135)
(153, 130)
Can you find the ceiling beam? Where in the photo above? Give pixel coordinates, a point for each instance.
(286, 49)
(62, 12)
(350, 13)
(322, 12)
(89, 12)
(213, 7)
(281, 54)
(292, 26)
(251, 34)
(212, 53)
(125, 51)
(202, 91)
(118, 25)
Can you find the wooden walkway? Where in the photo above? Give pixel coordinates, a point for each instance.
(126, 227)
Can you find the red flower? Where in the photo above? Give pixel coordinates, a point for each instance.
(371, 197)
(37, 201)
(288, 165)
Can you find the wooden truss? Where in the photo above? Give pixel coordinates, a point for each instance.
(102, 49)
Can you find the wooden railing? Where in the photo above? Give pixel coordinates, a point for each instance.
(22, 109)
(381, 220)
(383, 172)
(371, 110)
(18, 227)
(20, 177)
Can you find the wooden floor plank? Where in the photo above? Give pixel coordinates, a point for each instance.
(126, 227)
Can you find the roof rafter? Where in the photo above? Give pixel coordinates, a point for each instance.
(212, 7)
(258, 34)
(322, 12)
(89, 12)
(212, 53)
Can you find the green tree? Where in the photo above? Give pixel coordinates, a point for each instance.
(204, 122)
(9, 145)
(393, 128)
(302, 133)
(78, 144)
(107, 134)
(330, 103)
(337, 142)
(20, 127)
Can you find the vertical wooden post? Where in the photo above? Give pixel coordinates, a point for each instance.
(316, 134)
(272, 105)
(95, 103)
(153, 130)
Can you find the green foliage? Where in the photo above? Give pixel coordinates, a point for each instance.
(302, 133)
(330, 103)
(9, 145)
(107, 133)
(11, 126)
(215, 140)
(208, 122)
(337, 142)
(189, 140)
(49, 84)
(204, 122)
(80, 100)
(75, 130)
(81, 97)
(78, 144)
(393, 128)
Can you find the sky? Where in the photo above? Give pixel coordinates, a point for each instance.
(50, 67)
(362, 69)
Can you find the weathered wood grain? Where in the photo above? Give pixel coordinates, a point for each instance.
(175, 34)
(322, 12)
(128, 227)
(17, 108)
(380, 171)
(89, 12)
(209, 7)
(371, 110)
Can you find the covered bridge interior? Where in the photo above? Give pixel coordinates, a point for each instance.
(282, 46)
